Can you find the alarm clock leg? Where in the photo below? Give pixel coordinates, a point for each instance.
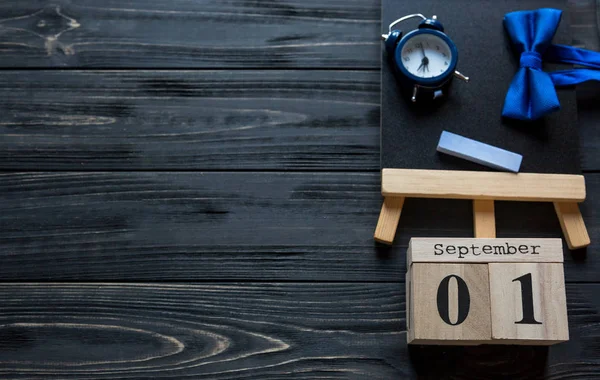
(414, 94)
(461, 76)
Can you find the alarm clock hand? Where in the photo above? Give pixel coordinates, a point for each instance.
(424, 61)
(423, 51)
(424, 64)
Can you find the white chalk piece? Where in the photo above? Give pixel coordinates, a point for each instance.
(479, 152)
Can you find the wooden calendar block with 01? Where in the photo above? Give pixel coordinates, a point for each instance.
(486, 291)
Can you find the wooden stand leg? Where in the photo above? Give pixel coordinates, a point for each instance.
(484, 221)
(572, 225)
(388, 219)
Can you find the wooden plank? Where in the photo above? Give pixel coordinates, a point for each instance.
(482, 185)
(223, 120)
(151, 226)
(479, 250)
(213, 331)
(217, 120)
(179, 33)
(385, 232)
(209, 33)
(257, 330)
(528, 303)
(484, 218)
(572, 224)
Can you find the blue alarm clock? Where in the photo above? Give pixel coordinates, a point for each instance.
(424, 60)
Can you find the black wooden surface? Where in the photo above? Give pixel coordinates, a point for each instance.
(236, 225)
(203, 206)
(200, 119)
(257, 331)
(183, 33)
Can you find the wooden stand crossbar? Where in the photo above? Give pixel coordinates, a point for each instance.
(565, 191)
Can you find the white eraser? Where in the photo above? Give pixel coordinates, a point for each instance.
(479, 152)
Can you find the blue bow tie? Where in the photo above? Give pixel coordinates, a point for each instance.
(532, 91)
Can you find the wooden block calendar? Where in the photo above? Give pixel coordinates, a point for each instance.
(464, 291)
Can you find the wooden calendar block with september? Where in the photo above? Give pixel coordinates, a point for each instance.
(486, 291)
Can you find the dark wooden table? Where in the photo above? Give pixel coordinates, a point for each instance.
(190, 189)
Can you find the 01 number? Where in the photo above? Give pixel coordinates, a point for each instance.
(464, 300)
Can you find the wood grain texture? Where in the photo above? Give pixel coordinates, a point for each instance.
(210, 33)
(484, 219)
(202, 120)
(217, 331)
(387, 224)
(455, 184)
(427, 326)
(482, 250)
(240, 120)
(202, 227)
(154, 226)
(256, 331)
(572, 224)
(547, 323)
(180, 33)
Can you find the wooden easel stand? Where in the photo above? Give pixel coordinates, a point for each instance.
(564, 190)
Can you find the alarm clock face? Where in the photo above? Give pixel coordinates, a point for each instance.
(426, 55)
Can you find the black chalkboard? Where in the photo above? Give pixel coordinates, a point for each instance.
(409, 134)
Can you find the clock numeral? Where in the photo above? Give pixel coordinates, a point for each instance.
(406, 59)
(409, 50)
(444, 54)
(418, 45)
(437, 47)
(446, 63)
